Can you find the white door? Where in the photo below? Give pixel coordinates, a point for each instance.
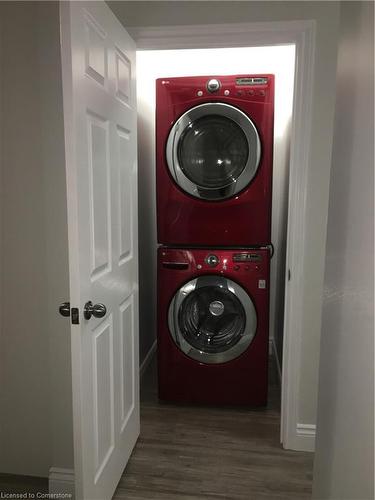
(98, 71)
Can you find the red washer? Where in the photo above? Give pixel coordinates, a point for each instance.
(214, 153)
(213, 326)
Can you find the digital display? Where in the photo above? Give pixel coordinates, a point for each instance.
(246, 257)
(251, 81)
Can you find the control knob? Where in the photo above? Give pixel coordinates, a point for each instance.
(213, 85)
(212, 260)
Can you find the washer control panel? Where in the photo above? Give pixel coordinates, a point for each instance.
(254, 262)
(246, 257)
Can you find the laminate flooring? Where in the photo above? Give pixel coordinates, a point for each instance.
(197, 453)
(11, 484)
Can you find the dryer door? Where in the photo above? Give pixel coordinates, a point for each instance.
(213, 151)
(212, 319)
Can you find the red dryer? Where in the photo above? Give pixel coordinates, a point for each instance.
(213, 326)
(214, 154)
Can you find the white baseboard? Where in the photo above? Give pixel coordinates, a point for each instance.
(302, 439)
(305, 437)
(61, 481)
(148, 359)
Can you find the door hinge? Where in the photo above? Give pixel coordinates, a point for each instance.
(289, 275)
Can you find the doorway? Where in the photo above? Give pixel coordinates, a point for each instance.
(201, 452)
(182, 440)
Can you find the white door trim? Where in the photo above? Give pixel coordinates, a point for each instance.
(302, 34)
(219, 35)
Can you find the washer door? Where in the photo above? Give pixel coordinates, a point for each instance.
(213, 151)
(212, 319)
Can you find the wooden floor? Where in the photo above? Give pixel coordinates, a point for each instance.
(196, 453)
(22, 485)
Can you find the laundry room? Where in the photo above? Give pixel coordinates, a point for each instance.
(255, 85)
(212, 255)
(184, 189)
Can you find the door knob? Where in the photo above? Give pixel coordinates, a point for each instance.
(64, 309)
(96, 310)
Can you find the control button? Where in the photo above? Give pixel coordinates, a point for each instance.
(212, 260)
(247, 268)
(262, 92)
(239, 92)
(213, 85)
(251, 92)
(200, 93)
(199, 266)
(236, 267)
(226, 92)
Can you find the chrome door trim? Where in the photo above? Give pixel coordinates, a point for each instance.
(250, 169)
(193, 352)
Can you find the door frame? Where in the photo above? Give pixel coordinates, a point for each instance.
(302, 34)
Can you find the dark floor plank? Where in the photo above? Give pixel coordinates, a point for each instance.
(10, 483)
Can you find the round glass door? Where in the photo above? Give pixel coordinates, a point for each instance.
(213, 151)
(212, 319)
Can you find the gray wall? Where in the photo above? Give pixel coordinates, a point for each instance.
(166, 13)
(147, 239)
(326, 16)
(35, 390)
(344, 462)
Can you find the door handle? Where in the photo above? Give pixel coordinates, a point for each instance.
(64, 309)
(96, 310)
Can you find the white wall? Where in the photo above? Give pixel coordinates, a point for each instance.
(326, 17)
(171, 63)
(344, 462)
(35, 390)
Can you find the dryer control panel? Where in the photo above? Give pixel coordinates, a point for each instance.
(258, 88)
(248, 80)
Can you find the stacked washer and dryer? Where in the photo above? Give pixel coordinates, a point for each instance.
(214, 153)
